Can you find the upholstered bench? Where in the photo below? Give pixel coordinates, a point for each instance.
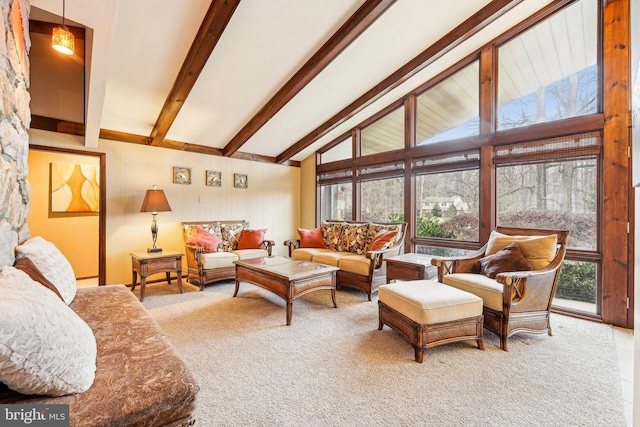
(427, 314)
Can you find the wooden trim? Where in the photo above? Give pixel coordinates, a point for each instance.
(211, 29)
(185, 146)
(454, 38)
(616, 164)
(57, 125)
(366, 15)
(102, 213)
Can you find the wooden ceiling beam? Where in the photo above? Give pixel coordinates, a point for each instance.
(348, 32)
(455, 37)
(211, 29)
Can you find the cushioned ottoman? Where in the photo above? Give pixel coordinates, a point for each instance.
(427, 314)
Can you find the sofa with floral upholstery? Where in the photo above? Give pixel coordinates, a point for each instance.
(211, 247)
(356, 248)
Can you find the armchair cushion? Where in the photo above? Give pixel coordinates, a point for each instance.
(486, 288)
(538, 250)
(251, 239)
(218, 260)
(509, 258)
(204, 239)
(311, 238)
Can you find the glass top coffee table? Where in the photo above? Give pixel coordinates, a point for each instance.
(287, 278)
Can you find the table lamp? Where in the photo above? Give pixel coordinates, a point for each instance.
(155, 201)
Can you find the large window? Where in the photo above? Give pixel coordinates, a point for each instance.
(382, 199)
(340, 151)
(450, 109)
(457, 181)
(553, 184)
(550, 72)
(336, 201)
(385, 134)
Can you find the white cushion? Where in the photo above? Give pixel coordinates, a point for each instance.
(52, 264)
(218, 259)
(45, 347)
(429, 302)
(250, 253)
(478, 284)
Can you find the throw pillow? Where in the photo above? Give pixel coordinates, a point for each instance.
(251, 239)
(209, 242)
(52, 263)
(26, 265)
(45, 347)
(311, 238)
(382, 240)
(231, 235)
(539, 250)
(507, 259)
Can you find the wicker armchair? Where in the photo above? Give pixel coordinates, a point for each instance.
(515, 302)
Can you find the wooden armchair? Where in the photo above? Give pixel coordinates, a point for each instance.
(514, 302)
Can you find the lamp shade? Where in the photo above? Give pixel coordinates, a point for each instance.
(155, 201)
(62, 40)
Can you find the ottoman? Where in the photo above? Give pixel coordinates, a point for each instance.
(427, 314)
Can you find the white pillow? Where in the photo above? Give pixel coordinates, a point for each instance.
(52, 264)
(45, 347)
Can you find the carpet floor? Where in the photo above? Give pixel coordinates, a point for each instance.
(332, 367)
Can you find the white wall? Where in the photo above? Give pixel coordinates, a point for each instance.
(272, 200)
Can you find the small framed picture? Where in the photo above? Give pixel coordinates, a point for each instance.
(214, 179)
(240, 180)
(181, 175)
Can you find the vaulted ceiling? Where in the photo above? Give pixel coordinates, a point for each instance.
(268, 80)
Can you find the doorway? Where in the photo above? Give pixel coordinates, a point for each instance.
(79, 233)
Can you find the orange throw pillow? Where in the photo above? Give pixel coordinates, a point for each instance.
(209, 242)
(311, 238)
(251, 239)
(381, 240)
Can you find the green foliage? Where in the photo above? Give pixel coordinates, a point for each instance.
(577, 282)
(451, 211)
(433, 227)
(396, 217)
(436, 210)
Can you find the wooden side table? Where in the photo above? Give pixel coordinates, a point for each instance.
(145, 264)
(410, 267)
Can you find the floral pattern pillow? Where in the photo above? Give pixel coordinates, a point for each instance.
(332, 235)
(374, 229)
(355, 238)
(231, 235)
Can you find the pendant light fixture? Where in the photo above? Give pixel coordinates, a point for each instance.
(62, 38)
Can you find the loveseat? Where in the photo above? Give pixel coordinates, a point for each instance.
(96, 349)
(356, 248)
(211, 247)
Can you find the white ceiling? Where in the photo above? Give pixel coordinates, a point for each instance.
(138, 47)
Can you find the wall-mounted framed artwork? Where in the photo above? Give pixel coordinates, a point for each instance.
(213, 178)
(240, 180)
(74, 187)
(181, 175)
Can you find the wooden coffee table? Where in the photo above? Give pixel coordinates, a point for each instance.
(287, 278)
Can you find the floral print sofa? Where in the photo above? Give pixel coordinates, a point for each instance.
(348, 246)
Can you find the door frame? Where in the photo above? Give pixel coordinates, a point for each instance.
(102, 212)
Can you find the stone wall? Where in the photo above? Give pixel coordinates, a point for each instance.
(15, 118)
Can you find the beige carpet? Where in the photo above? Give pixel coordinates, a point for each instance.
(332, 367)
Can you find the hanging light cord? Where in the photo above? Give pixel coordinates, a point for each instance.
(63, 7)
